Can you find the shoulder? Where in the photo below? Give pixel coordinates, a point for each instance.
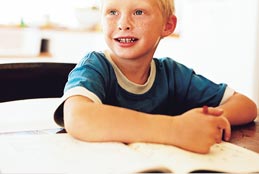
(170, 65)
(94, 58)
(96, 61)
(167, 61)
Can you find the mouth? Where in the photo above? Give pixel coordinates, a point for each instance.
(126, 39)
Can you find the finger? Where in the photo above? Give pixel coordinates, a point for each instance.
(218, 140)
(219, 135)
(227, 134)
(205, 109)
(225, 125)
(212, 111)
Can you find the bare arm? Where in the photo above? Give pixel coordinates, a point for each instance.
(97, 122)
(239, 109)
(88, 121)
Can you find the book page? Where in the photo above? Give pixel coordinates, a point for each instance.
(224, 157)
(60, 153)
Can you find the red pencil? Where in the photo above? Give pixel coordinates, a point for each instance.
(205, 109)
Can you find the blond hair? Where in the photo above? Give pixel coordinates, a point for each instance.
(167, 7)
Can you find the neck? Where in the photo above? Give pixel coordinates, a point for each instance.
(136, 71)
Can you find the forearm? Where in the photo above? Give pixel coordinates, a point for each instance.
(96, 122)
(239, 109)
(92, 122)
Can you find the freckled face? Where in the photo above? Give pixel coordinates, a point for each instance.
(132, 28)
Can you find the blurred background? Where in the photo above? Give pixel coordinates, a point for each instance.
(36, 13)
(217, 38)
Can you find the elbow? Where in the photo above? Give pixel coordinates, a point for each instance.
(253, 110)
(80, 121)
(78, 128)
(241, 109)
(72, 129)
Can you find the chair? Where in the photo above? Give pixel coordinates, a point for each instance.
(33, 80)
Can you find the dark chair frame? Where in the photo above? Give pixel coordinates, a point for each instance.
(33, 80)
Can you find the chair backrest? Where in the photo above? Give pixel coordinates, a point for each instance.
(33, 80)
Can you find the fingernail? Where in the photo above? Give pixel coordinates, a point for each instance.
(221, 110)
(227, 138)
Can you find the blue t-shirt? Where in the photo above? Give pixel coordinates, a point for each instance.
(174, 90)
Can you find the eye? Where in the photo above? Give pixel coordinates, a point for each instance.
(113, 12)
(138, 12)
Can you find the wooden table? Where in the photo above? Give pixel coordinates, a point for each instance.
(247, 135)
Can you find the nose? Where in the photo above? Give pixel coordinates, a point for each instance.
(124, 28)
(124, 23)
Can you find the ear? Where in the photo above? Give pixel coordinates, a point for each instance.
(169, 26)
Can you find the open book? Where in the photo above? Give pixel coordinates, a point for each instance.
(60, 153)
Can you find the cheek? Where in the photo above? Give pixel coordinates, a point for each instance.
(107, 31)
(108, 24)
(146, 25)
(108, 27)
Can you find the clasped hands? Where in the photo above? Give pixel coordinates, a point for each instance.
(199, 130)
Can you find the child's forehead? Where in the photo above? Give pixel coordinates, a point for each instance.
(130, 2)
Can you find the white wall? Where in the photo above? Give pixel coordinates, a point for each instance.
(256, 66)
(218, 40)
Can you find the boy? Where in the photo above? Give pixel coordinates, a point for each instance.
(126, 95)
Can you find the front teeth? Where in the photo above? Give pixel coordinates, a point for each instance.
(126, 40)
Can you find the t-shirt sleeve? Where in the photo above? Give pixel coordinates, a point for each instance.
(192, 90)
(78, 90)
(227, 94)
(86, 79)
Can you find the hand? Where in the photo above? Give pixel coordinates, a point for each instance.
(198, 131)
(218, 112)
